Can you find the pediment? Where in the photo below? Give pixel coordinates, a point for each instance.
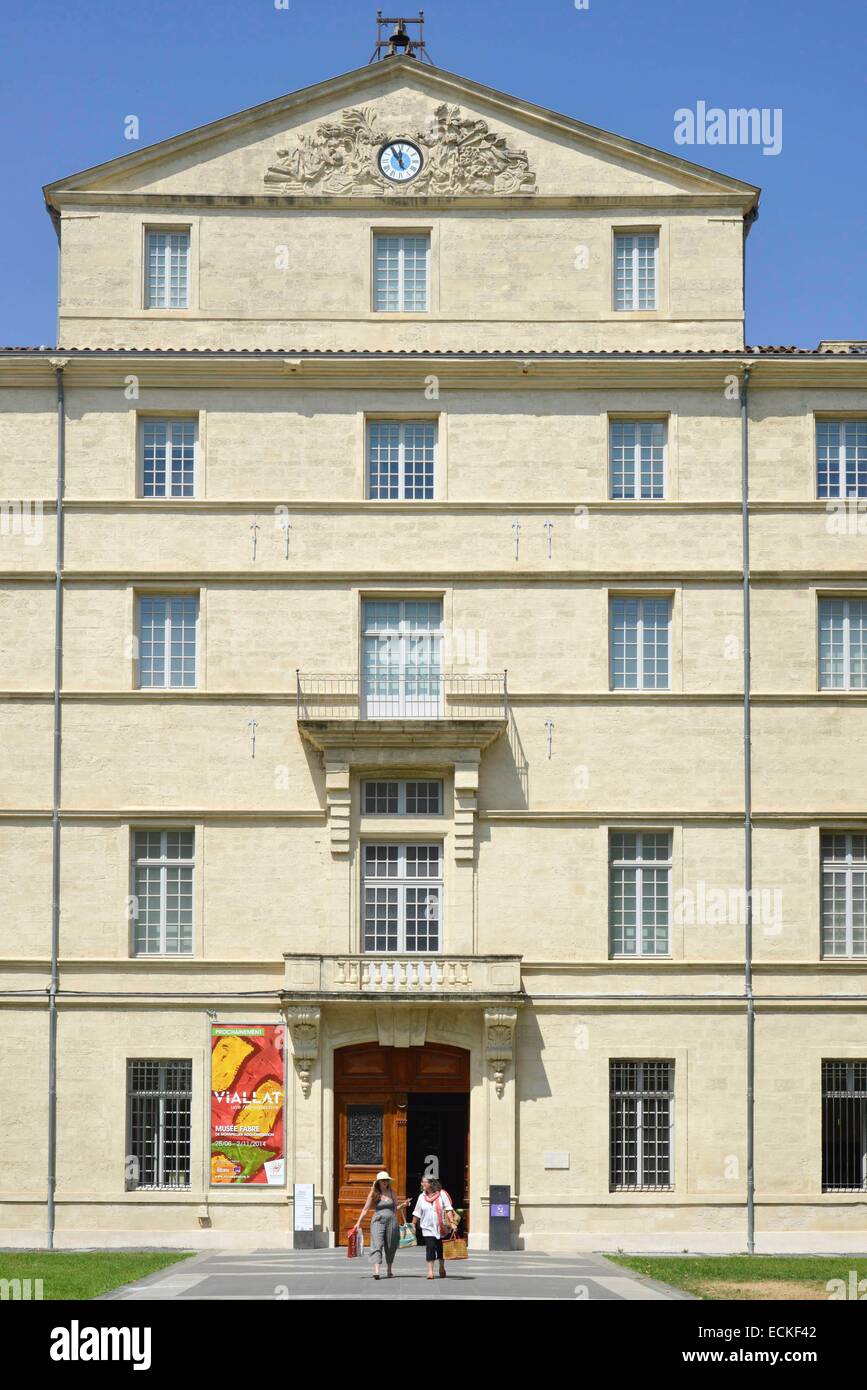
(325, 141)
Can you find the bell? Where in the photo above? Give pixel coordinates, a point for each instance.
(399, 41)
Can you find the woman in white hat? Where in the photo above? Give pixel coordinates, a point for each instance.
(384, 1230)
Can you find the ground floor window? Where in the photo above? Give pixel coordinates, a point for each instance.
(844, 1126)
(159, 1104)
(402, 896)
(642, 1117)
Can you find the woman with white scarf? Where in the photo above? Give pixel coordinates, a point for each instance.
(436, 1216)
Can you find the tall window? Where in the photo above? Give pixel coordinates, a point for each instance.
(635, 261)
(402, 798)
(637, 459)
(402, 897)
(167, 269)
(168, 455)
(844, 1126)
(163, 892)
(167, 641)
(841, 458)
(843, 644)
(639, 879)
(401, 272)
(640, 643)
(159, 1105)
(401, 459)
(642, 1115)
(844, 894)
(402, 659)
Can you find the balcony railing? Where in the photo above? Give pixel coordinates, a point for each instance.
(451, 976)
(410, 695)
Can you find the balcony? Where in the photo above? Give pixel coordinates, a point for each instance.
(453, 978)
(401, 709)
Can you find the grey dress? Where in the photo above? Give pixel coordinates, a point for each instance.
(384, 1231)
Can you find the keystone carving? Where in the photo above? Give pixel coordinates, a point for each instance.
(304, 1029)
(461, 155)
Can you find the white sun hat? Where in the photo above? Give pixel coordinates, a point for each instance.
(382, 1175)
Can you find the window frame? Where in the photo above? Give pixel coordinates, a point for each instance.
(169, 420)
(641, 1093)
(162, 1095)
(640, 863)
(642, 600)
(402, 424)
(402, 705)
(167, 596)
(617, 422)
(846, 599)
(166, 230)
(841, 422)
(634, 234)
(829, 1095)
(163, 863)
(401, 236)
(848, 867)
(402, 783)
(401, 881)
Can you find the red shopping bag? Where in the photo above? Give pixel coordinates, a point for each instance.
(354, 1244)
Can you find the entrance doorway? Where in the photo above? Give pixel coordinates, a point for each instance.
(405, 1110)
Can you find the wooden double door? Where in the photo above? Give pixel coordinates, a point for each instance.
(405, 1110)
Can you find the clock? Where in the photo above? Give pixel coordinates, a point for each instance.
(400, 161)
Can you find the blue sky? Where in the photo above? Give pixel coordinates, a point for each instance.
(71, 73)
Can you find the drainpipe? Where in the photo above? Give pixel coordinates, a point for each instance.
(58, 363)
(748, 817)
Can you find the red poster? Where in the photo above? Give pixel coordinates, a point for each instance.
(247, 1085)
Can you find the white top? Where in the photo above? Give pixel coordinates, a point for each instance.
(427, 1213)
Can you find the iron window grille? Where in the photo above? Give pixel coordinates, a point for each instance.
(640, 643)
(168, 454)
(402, 897)
(844, 1126)
(635, 270)
(842, 644)
(167, 641)
(401, 460)
(642, 1124)
(424, 798)
(639, 892)
(637, 459)
(167, 269)
(163, 892)
(841, 458)
(159, 1108)
(401, 274)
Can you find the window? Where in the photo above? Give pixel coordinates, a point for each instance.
(159, 1103)
(637, 459)
(640, 643)
(638, 892)
(844, 894)
(642, 1114)
(402, 649)
(401, 458)
(163, 892)
(402, 798)
(635, 259)
(168, 455)
(844, 1126)
(841, 458)
(401, 266)
(167, 269)
(167, 641)
(842, 644)
(402, 897)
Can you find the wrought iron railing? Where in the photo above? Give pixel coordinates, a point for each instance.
(412, 694)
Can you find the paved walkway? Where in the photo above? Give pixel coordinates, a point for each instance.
(328, 1274)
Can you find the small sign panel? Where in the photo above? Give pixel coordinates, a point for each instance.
(303, 1206)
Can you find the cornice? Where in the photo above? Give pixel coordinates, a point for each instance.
(622, 579)
(387, 203)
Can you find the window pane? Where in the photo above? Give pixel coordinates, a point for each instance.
(400, 274)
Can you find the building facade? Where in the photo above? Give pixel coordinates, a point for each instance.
(377, 695)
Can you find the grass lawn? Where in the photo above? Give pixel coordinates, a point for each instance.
(750, 1277)
(71, 1274)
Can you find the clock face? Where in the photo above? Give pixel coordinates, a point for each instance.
(400, 161)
